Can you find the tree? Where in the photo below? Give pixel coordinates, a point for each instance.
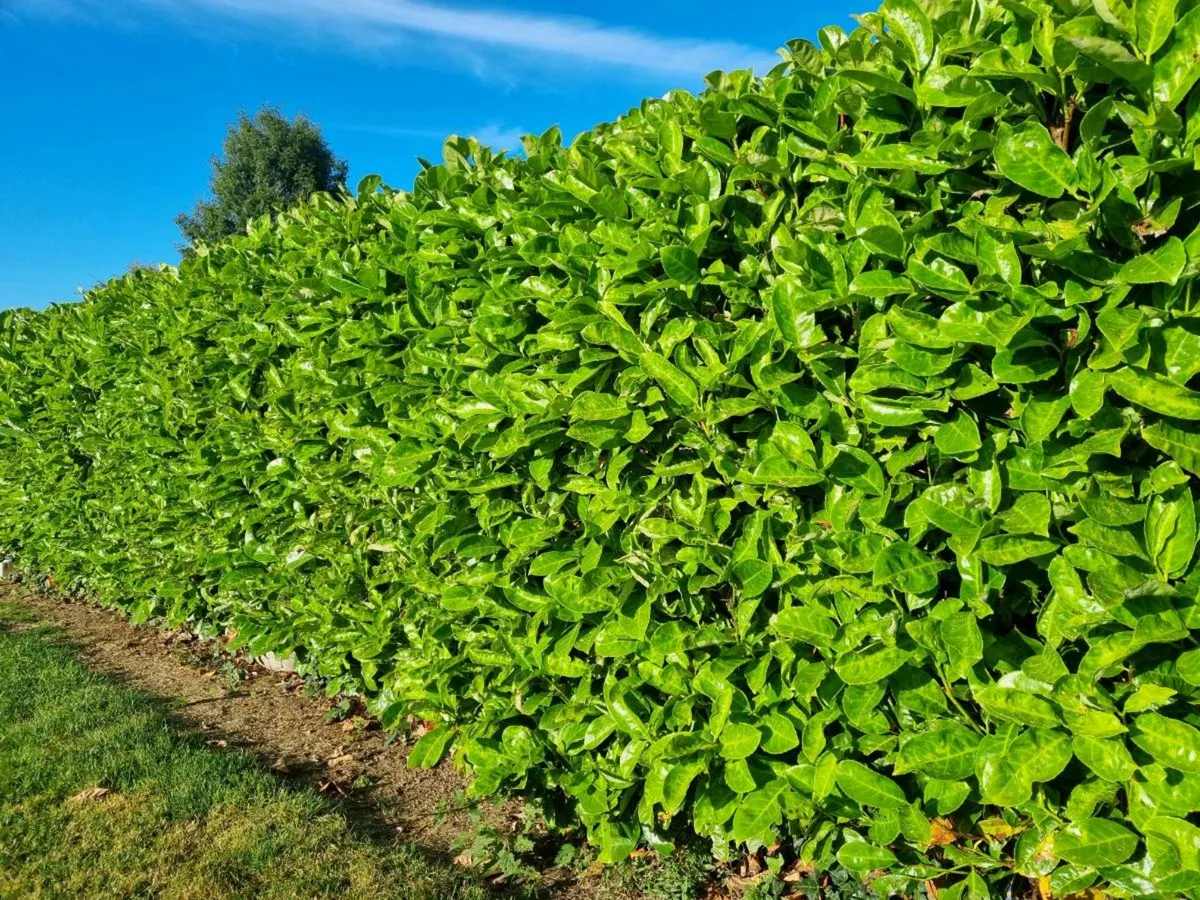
(270, 163)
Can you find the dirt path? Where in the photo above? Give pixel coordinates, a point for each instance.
(272, 715)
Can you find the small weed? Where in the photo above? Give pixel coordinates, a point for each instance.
(568, 855)
(768, 887)
(342, 710)
(494, 852)
(676, 876)
(835, 884)
(233, 676)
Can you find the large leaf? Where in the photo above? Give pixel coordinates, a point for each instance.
(1153, 21)
(870, 667)
(681, 265)
(678, 386)
(1028, 156)
(1095, 843)
(1163, 265)
(1171, 742)
(428, 751)
(1155, 393)
(904, 567)
(866, 786)
(947, 751)
(756, 815)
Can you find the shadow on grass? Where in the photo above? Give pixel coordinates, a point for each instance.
(102, 793)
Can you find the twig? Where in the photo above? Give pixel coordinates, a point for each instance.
(1062, 134)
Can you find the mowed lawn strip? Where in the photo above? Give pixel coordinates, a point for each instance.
(100, 795)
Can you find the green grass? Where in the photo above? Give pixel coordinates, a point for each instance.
(179, 820)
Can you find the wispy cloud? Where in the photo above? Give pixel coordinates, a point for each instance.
(537, 38)
(499, 138)
(494, 135)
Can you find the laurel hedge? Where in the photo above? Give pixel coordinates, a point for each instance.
(805, 463)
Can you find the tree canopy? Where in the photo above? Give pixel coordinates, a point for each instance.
(270, 163)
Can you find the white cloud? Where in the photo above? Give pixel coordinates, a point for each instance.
(536, 37)
(494, 135)
(499, 138)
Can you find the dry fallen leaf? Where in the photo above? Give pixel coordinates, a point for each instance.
(996, 829)
(92, 793)
(797, 870)
(942, 832)
(751, 866)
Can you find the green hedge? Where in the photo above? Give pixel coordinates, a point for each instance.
(809, 460)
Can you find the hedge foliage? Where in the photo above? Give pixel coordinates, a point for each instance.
(808, 461)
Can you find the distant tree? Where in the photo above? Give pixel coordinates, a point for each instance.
(269, 164)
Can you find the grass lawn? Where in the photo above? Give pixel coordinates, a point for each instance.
(100, 795)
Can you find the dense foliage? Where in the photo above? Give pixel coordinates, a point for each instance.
(270, 163)
(807, 461)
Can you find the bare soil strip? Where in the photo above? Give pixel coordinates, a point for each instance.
(272, 715)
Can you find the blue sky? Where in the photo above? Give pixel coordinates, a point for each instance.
(110, 118)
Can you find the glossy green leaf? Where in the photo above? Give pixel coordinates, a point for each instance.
(1175, 69)
(739, 740)
(958, 436)
(860, 856)
(866, 786)
(756, 815)
(681, 264)
(678, 386)
(1171, 531)
(591, 406)
(1153, 21)
(429, 750)
(870, 667)
(1095, 842)
(1014, 705)
(939, 276)
(1008, 769)
(905, 568)
(963, 642)
(908, 20)
(1108, 758)
(781, 734)
(1171, 742)
(1181, 835)
(1179, 442)
(1163, 265)
(1155, 393)
(947, 751)
(805, 625)
(1008, 549)
(1028, 156)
